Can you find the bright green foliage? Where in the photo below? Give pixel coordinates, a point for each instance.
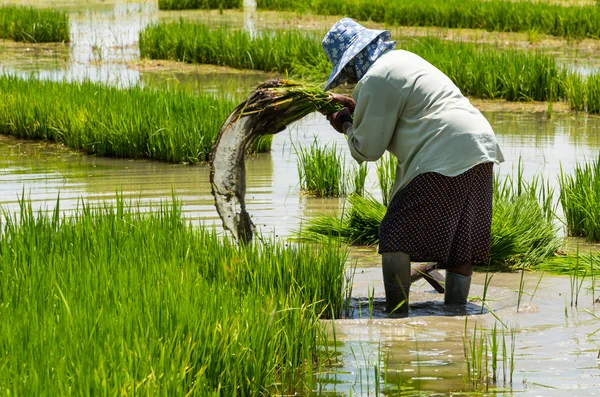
(359, 178)
(117, 300)
(298, 5)
(198, 4)
(580, 200)
(274, 51)
(493, 15)
(479, 71)
(321, 170)
(358, 224)
(386, 175)
(162, 125)
(35, 25)
(284, 5)
(522, 234)
(586, 265)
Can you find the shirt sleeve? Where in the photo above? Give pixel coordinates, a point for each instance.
(378, 107)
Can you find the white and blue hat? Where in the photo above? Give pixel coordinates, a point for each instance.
(348, 43)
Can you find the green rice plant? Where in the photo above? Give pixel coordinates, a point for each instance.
(580, 200)
(321, 170)
(484, 351)
(358, 223)
(166, 125)
(386, 175)
(584, 265)
(117, 299)
(198, 4)
(522, 234)
(35, 25)
(479, 71)
(495, 15)
(292, 52)
(359, 179)
(262, 144)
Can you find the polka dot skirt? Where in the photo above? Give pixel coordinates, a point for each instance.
(443, 219)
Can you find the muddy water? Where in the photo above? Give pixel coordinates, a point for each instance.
(556, 351)
(274, 199)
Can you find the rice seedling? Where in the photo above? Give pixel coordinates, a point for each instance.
(166, 125)
(580, 200)
(482, 356)
(321, 170)
(585, 265)
(521, 288)
(359, 179)
(118, 300)
(479, 71)
(496, 15)
(358, 224)
(386, 175)
(522, 234)
(198, 4)
(486, 285)
(277, 5)
(35, 25)
(293, 52)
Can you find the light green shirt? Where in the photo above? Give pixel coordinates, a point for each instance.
(408, 107)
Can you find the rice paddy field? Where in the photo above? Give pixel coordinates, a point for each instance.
(117, 277)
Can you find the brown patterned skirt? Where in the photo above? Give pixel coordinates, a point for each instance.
(443, 219)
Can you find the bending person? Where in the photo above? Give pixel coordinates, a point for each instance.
(441, 206)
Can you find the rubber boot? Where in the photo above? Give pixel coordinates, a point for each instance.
(396, 280)
(457, 289)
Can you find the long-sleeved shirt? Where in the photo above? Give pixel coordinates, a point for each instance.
(410, 108)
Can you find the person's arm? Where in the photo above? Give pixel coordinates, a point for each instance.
(378, 108)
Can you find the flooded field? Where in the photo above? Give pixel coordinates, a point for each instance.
(432, 352)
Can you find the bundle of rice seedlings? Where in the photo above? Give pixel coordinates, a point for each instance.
(268, 110)
(580, 200)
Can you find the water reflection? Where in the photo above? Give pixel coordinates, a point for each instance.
(553, 356)
(274, 198)
(205, 78)
(250, 17)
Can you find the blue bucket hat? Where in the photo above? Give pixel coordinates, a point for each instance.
(351, 46)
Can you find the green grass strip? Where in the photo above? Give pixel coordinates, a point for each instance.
(292, 52)
(35, 25)
(166, 125)
(580, 200)
(493, 15)
(479, 71)
(116, 299)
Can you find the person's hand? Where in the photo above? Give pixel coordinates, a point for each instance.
(338, 119)
(344, 100)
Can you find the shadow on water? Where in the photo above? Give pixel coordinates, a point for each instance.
(374, 308)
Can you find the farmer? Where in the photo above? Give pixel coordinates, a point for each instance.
(441, 206)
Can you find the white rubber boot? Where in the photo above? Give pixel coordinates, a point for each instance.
(396, 280)
(457, 289)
